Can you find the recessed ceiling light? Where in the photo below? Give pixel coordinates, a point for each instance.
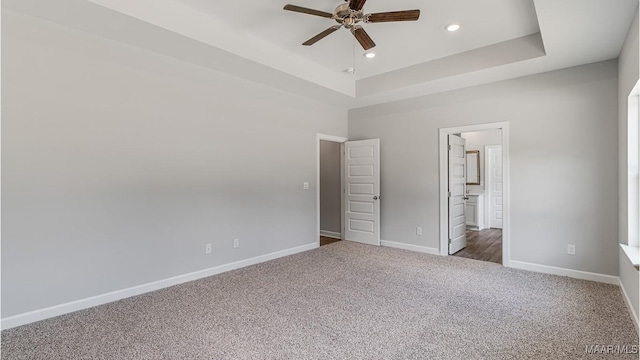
(369, 55)
(452, 27)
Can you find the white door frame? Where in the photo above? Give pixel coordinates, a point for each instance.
(341, 140)
(506, 205)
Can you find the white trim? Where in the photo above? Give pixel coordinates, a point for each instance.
(343, 211)
(332, 138)
(61, 309)
(633, 184)
(627, 301)
(331, 234)
(633, 254)
(417, 248)
(577, 274)
(506, 194)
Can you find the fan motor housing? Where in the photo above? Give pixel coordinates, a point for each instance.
(342, 11)
(347, 17)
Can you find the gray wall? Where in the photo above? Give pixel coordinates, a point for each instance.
(477, 140)
(330, 186)
(563, 139)
(120, 164)
(628, 74)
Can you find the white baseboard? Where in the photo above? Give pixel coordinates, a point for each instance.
(57, 310)
(331, 234)
(417, 248)
(627, 301)
(578, 274)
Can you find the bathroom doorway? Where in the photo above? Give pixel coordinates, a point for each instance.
(483, 200)
(485, 193)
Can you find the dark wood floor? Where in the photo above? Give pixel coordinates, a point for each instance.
(485, 245)
(327, 240)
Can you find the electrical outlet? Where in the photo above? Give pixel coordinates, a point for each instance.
(236, 243)
(419, 231)
(207, 249)
(571, 249)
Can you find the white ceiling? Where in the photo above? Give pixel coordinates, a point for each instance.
(399, 44)
(258, 40)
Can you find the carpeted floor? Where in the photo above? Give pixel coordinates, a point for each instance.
(345, 301)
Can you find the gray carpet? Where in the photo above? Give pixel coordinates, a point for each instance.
(345, 301)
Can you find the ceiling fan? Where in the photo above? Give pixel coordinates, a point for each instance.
(349, 15)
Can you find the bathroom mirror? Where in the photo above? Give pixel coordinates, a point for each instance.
(473, 167)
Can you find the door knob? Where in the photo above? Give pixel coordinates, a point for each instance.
(466, 198)
(376, 197)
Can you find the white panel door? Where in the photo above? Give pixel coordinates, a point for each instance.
(362, 191)
(495, 186)
(457, 194)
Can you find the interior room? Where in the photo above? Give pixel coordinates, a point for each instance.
(269, 180)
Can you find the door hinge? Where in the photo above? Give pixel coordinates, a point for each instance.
(449, 147)
(449, 241)
(449, 194)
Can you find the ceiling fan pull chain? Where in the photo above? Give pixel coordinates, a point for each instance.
(354, 54)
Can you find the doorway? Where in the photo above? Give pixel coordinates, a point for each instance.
(330, 193)
(329, 180)
(359, 168)
(486, 193)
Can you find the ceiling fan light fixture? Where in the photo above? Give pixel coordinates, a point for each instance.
(369, 55)
(452, 27)
(349, 15)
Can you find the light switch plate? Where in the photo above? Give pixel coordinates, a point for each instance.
(305, 185)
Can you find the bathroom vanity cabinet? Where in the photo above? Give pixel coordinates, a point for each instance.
(475, 212)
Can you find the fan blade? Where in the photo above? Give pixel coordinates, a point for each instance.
(407, 15)
(304, 10)
(320, 36)
(356, 4)
(362, 37)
